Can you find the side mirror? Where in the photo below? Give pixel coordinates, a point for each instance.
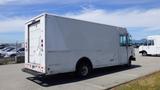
(130, 44)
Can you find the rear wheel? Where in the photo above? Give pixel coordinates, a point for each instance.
(144, 53)
(83, 69)
(129, 64)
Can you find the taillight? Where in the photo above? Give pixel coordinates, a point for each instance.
(41, 67)
(41, 43)
(26, 45)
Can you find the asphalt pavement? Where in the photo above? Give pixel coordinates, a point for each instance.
(12, 78)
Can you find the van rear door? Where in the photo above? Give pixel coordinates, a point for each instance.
(35, 38)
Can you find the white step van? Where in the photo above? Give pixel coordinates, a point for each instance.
(151, 46)
(56, 44)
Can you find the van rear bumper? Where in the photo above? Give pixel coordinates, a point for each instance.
(32, 72)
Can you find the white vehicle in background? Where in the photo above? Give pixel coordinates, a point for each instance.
(14, 52)
(55, 44)
(3, 51)
(151, 47)
(2, 47)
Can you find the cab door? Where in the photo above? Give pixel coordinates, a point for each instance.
(123, 49)
(152, 49)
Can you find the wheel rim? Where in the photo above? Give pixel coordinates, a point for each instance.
(84, 71)
(144, 53)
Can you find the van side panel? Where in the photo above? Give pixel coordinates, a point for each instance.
(68, 40)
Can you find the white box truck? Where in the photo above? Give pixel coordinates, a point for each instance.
(151, 46)
(56, 44)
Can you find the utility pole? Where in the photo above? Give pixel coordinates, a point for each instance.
(16, 51)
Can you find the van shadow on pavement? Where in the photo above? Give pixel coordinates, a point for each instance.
(152, 56)
(70, 77)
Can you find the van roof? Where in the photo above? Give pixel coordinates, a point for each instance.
(43, 14)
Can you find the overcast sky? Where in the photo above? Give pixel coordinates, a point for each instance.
(140, 17)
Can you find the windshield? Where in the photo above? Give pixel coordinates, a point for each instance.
(149, 43)
(10, 49)
(129, 40)
(1, 47)
(21, 50)
(5, 49)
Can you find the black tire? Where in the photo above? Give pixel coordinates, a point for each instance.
(83, 69)
(144, 53)
(129, 64)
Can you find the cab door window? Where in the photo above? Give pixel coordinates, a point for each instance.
(129, 40)
(123, 40)
(150, 42)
